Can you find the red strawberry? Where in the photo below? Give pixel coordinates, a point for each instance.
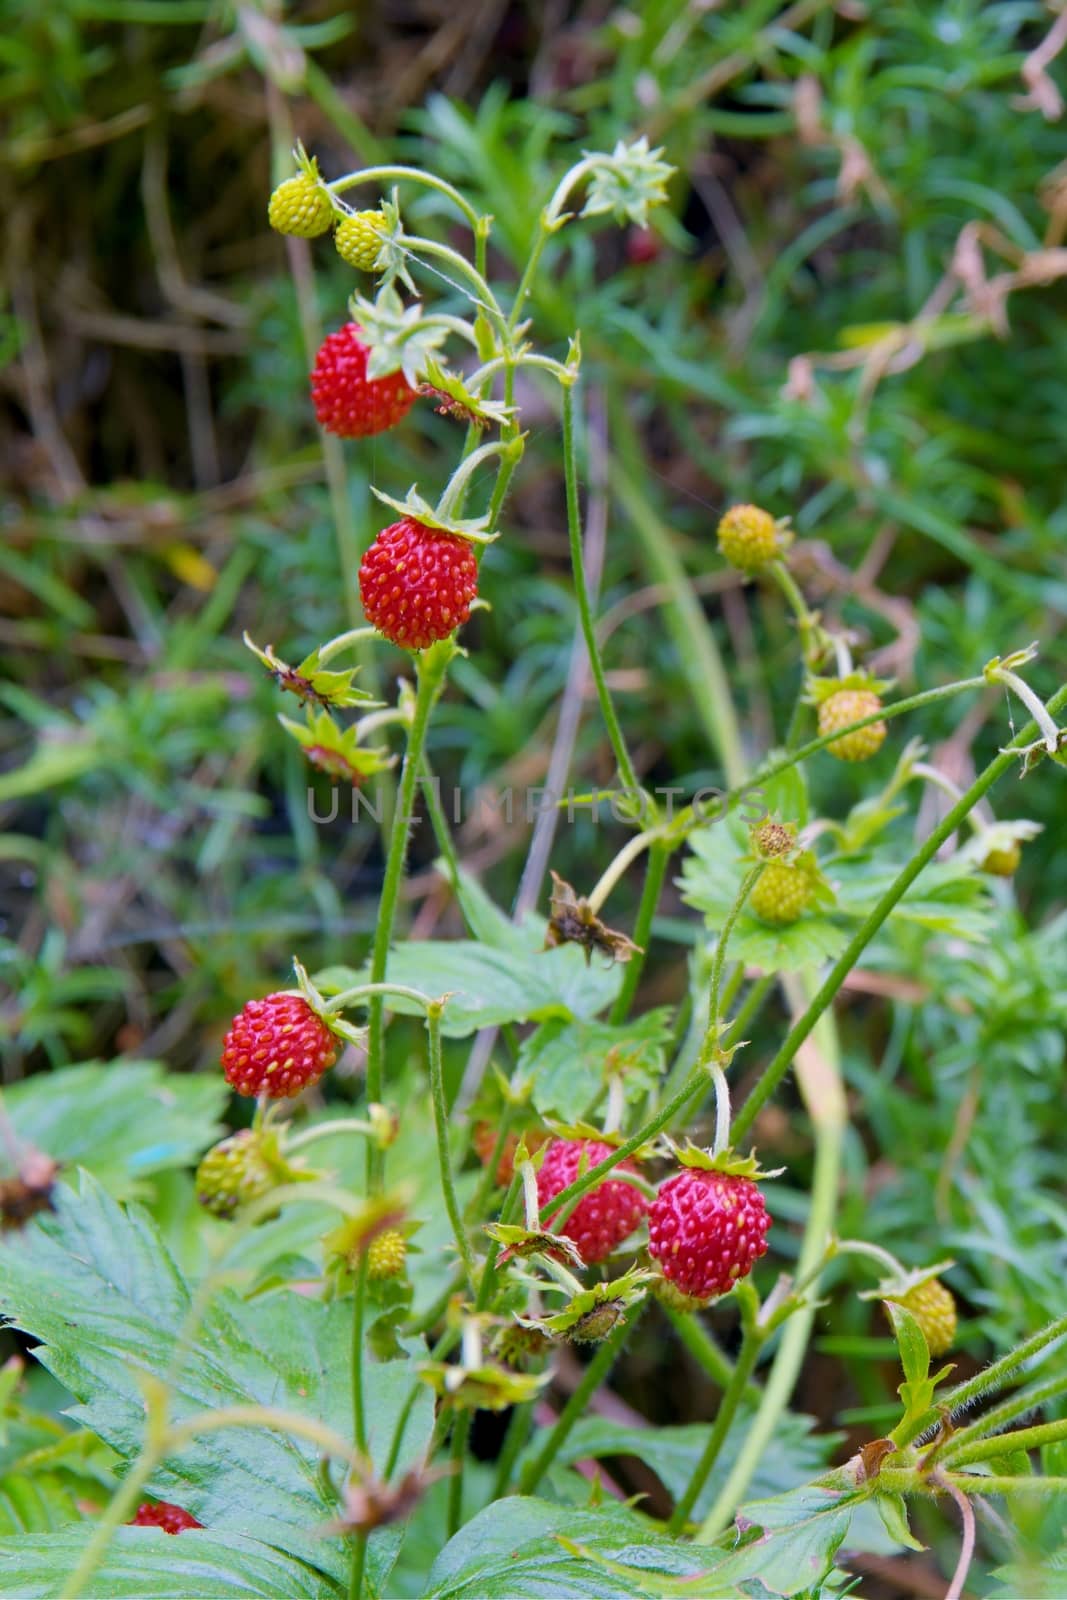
(277, 1047)
(706, 1229)
(417, 584)
(346, 401)
(161, 1514)
(603, 1218)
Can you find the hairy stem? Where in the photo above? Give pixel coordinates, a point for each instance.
(581, 589)
(731, 1399)
(444, 1155)
(430, 669)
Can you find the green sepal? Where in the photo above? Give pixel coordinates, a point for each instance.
(627, 182)
(581, 1311)
(336, 751)
(817, 690)
(533, 1241)
(473, 406)
(309, 681)
(413, 505)
(397, 338)
(903, 1283)
(483, 1388)
(727, 1161)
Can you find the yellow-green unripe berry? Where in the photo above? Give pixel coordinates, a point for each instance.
(300, 207)
(934, 1309)
(842, 709)
(233, 1173)
(1003, 863)
(782, 894)
(359, 239)
(386, 1255)
(748, 538)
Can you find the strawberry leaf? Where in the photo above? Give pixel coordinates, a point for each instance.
(95, 1286)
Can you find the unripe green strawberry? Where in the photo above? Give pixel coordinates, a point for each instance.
(233, 1174)
(782, 893)
(300, 207)
(748, 538)
(386, 1255)
(845, 707)
(359, 239)
(1003, 863)
(934, 1309)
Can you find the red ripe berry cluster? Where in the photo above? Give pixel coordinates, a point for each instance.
(161, 1514)
(417, 584)
(346, 401)
(277, 1047)
(706, 1229)
(603, 1218)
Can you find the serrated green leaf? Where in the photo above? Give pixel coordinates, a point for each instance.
(490, 986)
(101, 1293)
(148, 1564)
(806, 943)
(512, 1551)
(791, 1540)
(567, 1062)
(121, 1121)
(795, 1455)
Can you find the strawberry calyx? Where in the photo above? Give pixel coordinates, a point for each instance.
(523, 1242)
(726, 1161)
(818, 690)
(903, 1282)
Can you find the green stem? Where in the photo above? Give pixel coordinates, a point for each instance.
(805, 620)
(901, 1480)
(483, 297)
(460, 1433)
(777, 1069)
(444, 1156)
(1021, 1439)
(412, 174)
(431, 667)
(731, 1399)
(581, 589)
(359, 1410)
(702, 1347)
(591, 1379)
(1017, 1405)
(748, 883)
(444, 1346)
(517, 1435)
(825, 1101)
(508, 1212)
(659, 855)
(358, 1567)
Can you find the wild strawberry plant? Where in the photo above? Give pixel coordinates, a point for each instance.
(286, 1395)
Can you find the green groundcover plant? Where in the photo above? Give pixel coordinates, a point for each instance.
(279, 1391)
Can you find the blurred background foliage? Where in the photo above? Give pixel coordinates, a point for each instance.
(852, 312)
